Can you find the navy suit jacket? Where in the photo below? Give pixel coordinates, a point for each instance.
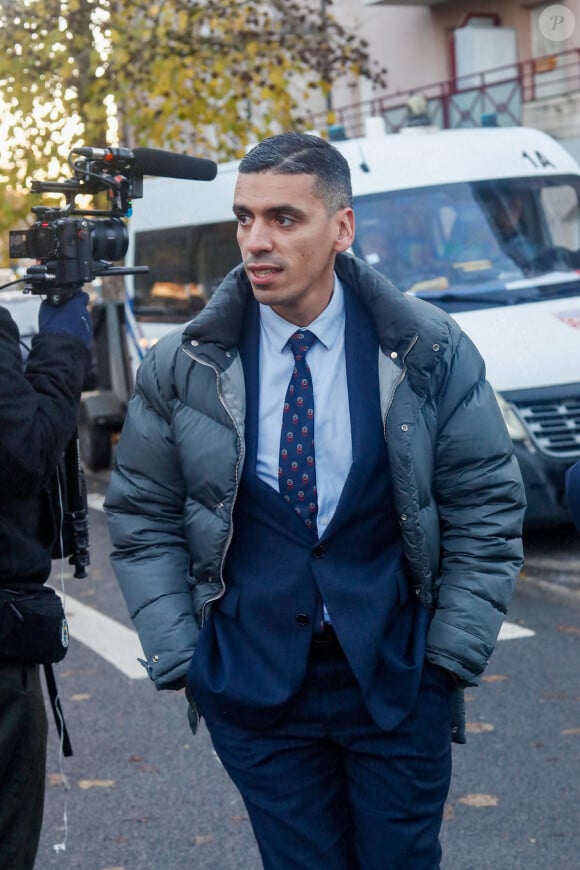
(252, 654)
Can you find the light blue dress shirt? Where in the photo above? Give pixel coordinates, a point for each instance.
(332, 433)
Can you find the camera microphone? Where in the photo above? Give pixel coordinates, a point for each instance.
(152, 161)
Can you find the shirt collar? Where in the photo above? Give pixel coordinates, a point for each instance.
(325, 327)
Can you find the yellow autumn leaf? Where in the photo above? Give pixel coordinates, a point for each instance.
(479, 727)
(479, 800)
(569, 629)
(96, 783)
(54, 779)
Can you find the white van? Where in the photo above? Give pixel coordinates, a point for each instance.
(484, 223)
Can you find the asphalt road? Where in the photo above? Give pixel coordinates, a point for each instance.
(141, 793)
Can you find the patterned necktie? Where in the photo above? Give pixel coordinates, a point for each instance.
(297, 471)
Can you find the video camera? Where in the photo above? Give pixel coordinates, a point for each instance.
(70, 247)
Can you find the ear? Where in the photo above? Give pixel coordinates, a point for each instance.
(345, 230)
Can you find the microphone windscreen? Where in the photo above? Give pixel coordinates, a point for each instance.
(152, 161)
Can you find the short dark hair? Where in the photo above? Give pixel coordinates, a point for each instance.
(304, 154)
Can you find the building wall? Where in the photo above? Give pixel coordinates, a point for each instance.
(401, 39)
(414, 41)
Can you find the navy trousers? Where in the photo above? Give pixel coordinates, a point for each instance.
(326, 788)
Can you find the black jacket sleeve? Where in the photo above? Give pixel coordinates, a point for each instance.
(38, 405)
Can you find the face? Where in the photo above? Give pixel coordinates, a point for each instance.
(289, 242)
(506, 214)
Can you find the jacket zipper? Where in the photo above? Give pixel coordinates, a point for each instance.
(237, 486)
(420, 591)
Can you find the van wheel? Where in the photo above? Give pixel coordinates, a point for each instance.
(95, 446)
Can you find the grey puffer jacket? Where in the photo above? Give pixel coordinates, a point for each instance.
(456, 483)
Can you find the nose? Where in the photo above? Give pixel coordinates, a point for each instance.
(259, 237)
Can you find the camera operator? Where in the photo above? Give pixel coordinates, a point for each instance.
(38, 415)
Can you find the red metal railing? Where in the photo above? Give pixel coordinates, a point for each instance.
(462, 101)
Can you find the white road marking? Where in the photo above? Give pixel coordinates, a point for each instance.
(118, 645)
(509, 631)
(95, 501)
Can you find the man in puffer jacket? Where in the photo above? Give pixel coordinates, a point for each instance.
(316, 516)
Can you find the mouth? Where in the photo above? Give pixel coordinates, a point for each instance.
(262, 274)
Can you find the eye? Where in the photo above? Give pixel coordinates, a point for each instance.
(284, 221)
(243, 219)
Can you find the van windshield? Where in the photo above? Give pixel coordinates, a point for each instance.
(467, 241)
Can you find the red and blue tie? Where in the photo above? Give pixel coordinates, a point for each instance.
(297, 471)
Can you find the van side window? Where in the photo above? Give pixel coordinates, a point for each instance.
(186, 265)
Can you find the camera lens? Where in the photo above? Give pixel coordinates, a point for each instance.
(110, 239)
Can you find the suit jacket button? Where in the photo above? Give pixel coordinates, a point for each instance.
(302, 619)
(319, 551)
